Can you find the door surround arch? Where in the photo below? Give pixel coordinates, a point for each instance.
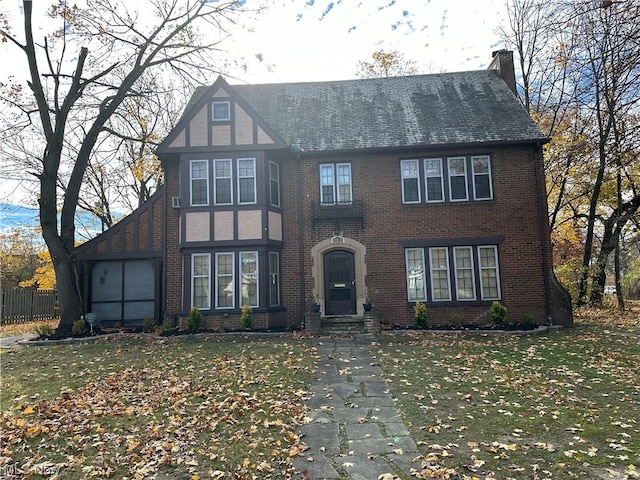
(360, 268)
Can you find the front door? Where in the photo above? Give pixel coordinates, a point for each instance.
(339, 283)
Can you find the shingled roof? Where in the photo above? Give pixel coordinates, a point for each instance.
(440, 109)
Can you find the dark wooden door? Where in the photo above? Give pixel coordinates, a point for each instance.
(339, 278)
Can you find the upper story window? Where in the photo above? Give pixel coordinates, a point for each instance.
(222, 185)
(446, 179)
(221, 111)
(246, 180)
(335, 183)
(410, 181)
(199, 174)
(274, 184)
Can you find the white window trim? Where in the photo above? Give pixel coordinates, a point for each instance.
(228, 111)
(256, 273)
(473, 273)
(338, 184)
(424, 277)
(402, 179)
(255, 193)
(466, 180)
(191, 179)
(233, 280)
(277, 179)
(193, 280)
(496, 268)
(332, 184)
(426, 184)
(431, 270)
(488, 158)
(215, 177)
(277, 276)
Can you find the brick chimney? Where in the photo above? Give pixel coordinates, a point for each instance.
(503, 63)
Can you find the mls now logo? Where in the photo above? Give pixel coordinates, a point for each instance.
(42, 469)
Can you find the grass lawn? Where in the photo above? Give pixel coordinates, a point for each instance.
(565, 404)
(560, 405)
(205, 407)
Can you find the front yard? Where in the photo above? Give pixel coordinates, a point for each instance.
(565, 404)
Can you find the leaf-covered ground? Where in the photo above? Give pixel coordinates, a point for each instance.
(555, 406)
(208, 407)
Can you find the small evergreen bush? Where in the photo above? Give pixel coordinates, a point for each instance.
(498, 314)
(79, 327)
(43, 330)
(148, 325)
(194, 320)
(246, 315)
(420, 314)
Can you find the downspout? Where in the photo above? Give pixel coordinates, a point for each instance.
(542, 218)
(301, 229)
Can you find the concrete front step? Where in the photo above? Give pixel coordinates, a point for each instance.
(342, 324)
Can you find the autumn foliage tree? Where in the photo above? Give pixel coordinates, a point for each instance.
(386, 64)
(82, 74)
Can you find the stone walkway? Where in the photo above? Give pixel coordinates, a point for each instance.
(355, 430)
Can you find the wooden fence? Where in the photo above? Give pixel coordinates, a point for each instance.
(26, 305)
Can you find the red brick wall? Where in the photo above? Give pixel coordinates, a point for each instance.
(173, 259)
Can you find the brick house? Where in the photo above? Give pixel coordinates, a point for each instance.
(422, 188)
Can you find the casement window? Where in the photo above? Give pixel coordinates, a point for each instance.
(274, 279)
(222, 184)
(458, 179)
(225, 276)
(246, 180)
(200, 280)
(249, 278)
(410, 181)
(199, 174)
(416, 284)
(465, 284)
(452, 273)
(335, 183)
(481, 169)
(433, 180)
(489, 274)
(274, 184)
(439, 272)
(221, 111)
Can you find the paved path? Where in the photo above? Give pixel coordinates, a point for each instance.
(355, 431)
(13, 341)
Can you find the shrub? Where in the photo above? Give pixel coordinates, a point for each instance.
(457, 321)
(246, 315)
(79, 327)
(148, 325)
(420, 314)
(529, 321)
(194, 320)
(43, 330)
(498, 314)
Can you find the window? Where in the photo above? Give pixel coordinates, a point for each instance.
(410, 181)
(464, 270)
(433, 180)
(222, 182)
(481, 178)
(274, 279)
(440, 281)
(489, 276)
(335, 183)
(199, 171)
(249, 278)
(221, 111)
(274, 183)
(246, 180)
(224, 280)
(415, 274)
(200, 280)
(458, 179)
(465, 285)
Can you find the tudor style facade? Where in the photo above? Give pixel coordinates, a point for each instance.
(424, 188)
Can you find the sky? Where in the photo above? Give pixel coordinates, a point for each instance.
(319, 40)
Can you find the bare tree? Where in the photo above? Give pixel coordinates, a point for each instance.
(80, 77)
(386, 64)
